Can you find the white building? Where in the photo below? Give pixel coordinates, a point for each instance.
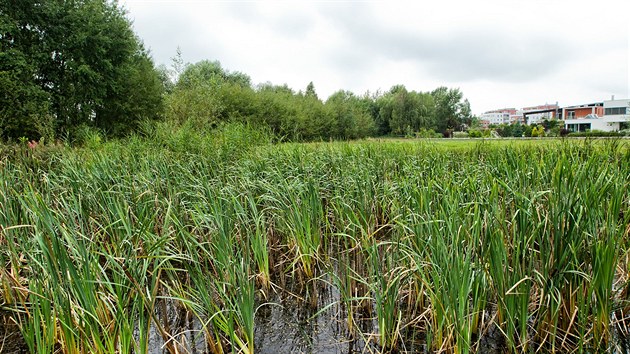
(499, 116)
(616, 112)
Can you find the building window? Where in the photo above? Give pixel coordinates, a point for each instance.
(581, 127)
(615, 110)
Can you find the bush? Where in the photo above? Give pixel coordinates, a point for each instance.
(517, 130)
(226, 140)
(474, 133)
(460, 135)
(538, 131)
(555, 131)
(505, 130)
(430, 133)
(595, 133)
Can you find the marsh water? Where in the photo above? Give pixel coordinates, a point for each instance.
(297, 316)
(289, 323)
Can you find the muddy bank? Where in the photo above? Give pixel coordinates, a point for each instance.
(11, 340)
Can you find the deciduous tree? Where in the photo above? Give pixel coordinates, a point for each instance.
(450, 110)
(79, 62)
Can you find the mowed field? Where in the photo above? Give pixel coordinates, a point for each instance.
(200, 245)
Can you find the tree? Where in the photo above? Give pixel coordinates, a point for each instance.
(80, 60)
(23, 104)
(310, 91)
(405, 111)
(208, 72)
(550, 124)
(351, 119)
(517, 130)
(450, 111)
(538, 131)
(505, 130)
(276, 108)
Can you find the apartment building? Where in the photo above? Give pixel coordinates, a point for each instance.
(497, 116)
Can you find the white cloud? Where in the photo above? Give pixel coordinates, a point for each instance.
(500, 53)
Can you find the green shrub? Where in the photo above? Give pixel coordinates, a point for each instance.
(460, 135)
(427, 133)
(538, 131)
(474, 133)
(596, 133)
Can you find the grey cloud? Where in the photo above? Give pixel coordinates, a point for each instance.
(155, 29)
(246, 11)
(457, 55)
(293, 26)
(478, 56)
(296, 24)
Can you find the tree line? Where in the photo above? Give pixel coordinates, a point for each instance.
(210, 94)
(68, 65)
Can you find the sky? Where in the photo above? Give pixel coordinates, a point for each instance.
(498, 53)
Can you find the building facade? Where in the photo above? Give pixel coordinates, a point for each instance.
(609, 115)
(497, 116)
(536, 114)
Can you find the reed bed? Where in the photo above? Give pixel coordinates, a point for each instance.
(441, 250)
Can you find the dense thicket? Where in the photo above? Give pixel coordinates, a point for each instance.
(208, 94)
(66, 64)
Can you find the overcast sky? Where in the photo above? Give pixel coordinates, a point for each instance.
(499, 53)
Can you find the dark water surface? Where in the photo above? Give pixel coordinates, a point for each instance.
(289, 324)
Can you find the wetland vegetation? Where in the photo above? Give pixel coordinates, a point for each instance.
(207, 241)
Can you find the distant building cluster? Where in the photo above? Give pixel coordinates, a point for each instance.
(606, 115)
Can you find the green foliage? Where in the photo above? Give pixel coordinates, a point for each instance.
(595, 133)
(87, 136)
(461, 135)
(538, 131)
(517, 130)
(310, 91)
(207, 94)
(24, 106)
(505, 130)
(351, 120)
(550, 124)
(512, 130)
(138, 96)
(63, 64)
(430, 133)
(474, 133)
(415, 240)
(450, 111)
(207, 71)
(67, 65)
(401, 110)
(197, 103)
